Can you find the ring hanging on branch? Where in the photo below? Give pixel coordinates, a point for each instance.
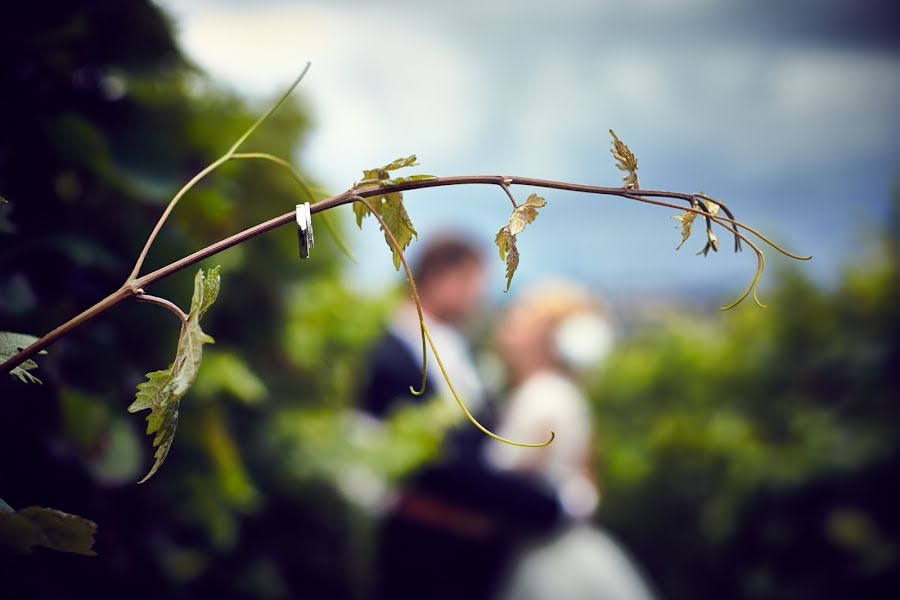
(304, 229)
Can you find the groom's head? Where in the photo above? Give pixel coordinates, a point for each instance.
(450, 273)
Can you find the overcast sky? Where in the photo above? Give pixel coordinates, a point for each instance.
(788, 111)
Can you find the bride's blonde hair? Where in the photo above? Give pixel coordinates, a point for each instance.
(578, 323)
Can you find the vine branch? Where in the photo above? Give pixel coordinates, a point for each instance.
(132, 285)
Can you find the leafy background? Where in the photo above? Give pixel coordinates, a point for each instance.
(747, 455)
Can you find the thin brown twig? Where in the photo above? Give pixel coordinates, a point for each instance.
(162, 302)
(509, 194)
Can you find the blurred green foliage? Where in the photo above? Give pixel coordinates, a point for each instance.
(755, 454)
(103, 120)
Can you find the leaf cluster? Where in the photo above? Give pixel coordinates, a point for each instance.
(522, 215)
(686, 220)
(163, 390)
(390, 204)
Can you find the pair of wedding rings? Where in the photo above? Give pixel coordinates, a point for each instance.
(304, 229)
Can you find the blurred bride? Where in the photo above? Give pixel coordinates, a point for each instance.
(547, 338)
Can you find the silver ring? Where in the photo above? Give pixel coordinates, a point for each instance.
(304, 229)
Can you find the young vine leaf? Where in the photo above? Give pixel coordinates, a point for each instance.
(390, 205)
(10, 344)
(712, 241)
(506, 242)
(22, 530)
(687, 221)
(625, 160)
(711, 207)
(163, 390)
(709, 202)
(521, 216)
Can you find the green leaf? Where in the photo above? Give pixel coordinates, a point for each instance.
(400, 163)
(373, 177)
(10, 345)
(205, 297)
(382, 176)
(525, 213)
(625, 160)
(361, 211)
(506, 242)
(163, 390)
(390, 206)
(21, 531)
(521, 216)
(391, 209)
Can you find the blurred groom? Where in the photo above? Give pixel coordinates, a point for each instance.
(455, 523)
(450, 277)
